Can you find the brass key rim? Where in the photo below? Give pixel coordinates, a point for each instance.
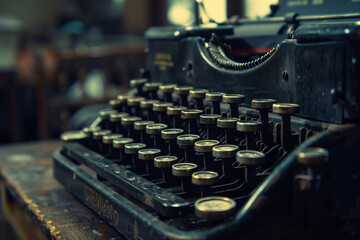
(214, 207)
(116, 117)
(205, 178)
(250, 157)
(129, 121)
(133, 148)
(183, 169)
(233, 98)
(313, 156)
(183, 90)
(167, 88)
(141, 125)
(226, 122)
(161, 106)
(105, 113)
(155, 128)
(225, 151)
(248, 126)
(73, 135)
(165, 161)
(123, 98)
(134, 101)
(121, 142)
(198, 93)
(148, 153)
(205, 145)
(171, 133)
(187, 139)
(108, 139)
(175, 110)
(99, 134)
(285, 108)
(138, 82)
(89, 130)
(114, 102)
(214, 96)
(148, 103)
(151, 86)
(209, 118)
(191, 113)
(262, 104)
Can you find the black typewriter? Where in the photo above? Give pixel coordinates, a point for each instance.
(245, 130)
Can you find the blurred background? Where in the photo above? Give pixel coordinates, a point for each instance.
(60, 55)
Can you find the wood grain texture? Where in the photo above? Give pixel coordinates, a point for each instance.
(27, 173)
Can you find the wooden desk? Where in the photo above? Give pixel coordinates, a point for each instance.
(30, 196)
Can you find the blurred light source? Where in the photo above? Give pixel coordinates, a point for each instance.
(258, 8)
(215, 9)
(181, 13)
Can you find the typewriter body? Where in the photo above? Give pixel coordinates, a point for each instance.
(245, 130)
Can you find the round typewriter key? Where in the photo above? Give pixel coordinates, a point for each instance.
(121, 142)
(205, 178)
(165, 161)
(285, 108)
(73, 136)
(182, 90)
(148, 103)
(151, 86)
(161, 106)
(225, 122)
(171, 133)
(209, 118)
(313, 156)
(247, 126)
(116, 117)
(108, 139)
(138, 82)
(133, 148)
(233, 98)
(167, 87)
(225, 151)
(155, 128)
(205, 145)
(175, 110)
(250, 157)
(265, 104)
(191, 113)
(134, 101)
(100, 133)
(198, 93)
(214, 96)
(123, 98)
(228, 126)
(129, 120)
(148, 153)
(183, 169)
(115, 104)
(105, 113)
(215, 99)
(141, 125)
(187, 139)
(89, 130)
(214, 208)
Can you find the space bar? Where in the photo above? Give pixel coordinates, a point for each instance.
(158, 199)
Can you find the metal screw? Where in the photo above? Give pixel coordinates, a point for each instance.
(285, 76)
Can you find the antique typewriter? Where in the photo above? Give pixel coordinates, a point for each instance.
(246, 130)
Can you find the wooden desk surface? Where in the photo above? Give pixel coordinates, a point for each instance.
(26, 176)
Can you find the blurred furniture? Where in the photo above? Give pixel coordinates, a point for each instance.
(36, 205)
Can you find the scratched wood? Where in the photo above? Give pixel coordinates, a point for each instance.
(27, 172)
